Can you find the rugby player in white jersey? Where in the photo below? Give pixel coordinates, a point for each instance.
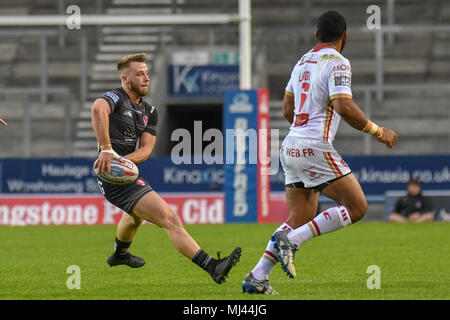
(317, 96)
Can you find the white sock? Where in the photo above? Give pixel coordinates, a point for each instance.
(331, 220)
(269, 259)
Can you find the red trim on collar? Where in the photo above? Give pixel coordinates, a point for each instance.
(321, 46)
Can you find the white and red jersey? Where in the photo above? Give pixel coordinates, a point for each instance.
(320, 76)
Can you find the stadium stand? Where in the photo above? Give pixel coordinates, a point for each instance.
(419, 116)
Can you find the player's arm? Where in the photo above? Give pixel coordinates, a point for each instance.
(353, 115)
(146, 144)
(100, 111)
(3, 122)
(288, 106)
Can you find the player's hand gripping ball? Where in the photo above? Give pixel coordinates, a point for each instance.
(123, 171)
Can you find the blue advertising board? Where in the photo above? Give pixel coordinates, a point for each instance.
(206, 81)
(240, 187)
(47, 176)
(376, 174)
(247, 184)
(77, 176)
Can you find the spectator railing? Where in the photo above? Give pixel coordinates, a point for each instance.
(26, 93)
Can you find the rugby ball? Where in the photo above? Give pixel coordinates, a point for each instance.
(123, 171)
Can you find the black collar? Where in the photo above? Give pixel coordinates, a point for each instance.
(125, 93)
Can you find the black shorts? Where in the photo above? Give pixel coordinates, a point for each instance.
(320, 187)
(125, 196)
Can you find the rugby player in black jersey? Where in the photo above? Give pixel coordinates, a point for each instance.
(125, 125)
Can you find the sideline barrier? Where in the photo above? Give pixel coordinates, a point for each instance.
(74, 178)
(74, 209)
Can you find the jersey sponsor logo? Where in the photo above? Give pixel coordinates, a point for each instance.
(297, 153)
(301, 119)
(140, 182)
(313, 175)
(128, 113)
(341, 67)
(145, 118)
(342, 79)
(129, 136)
(113, 96)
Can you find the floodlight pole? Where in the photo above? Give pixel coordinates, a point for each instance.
(245, 45)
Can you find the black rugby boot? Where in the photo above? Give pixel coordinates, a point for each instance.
(127, 259)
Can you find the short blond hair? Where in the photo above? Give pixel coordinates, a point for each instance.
(124, 62)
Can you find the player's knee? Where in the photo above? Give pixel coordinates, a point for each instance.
(171, 219)
(136, 221)
(358, 210)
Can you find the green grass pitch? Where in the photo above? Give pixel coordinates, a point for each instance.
(414, 260)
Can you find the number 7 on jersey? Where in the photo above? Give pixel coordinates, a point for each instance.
(301, 119)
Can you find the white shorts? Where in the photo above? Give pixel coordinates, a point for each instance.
(314, 163)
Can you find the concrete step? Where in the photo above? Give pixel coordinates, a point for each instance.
(139, 11)
(147, 2)
(405, 146)
(105, 76)
(84, 134)
(410, 66)
(411, 107)
(85, 115)
(441, 49)
(137, 30)
(135, 38)
(411, 127)
(85, 144)
(15, 10)
(440, 67)
(126, 49)
(114, 57)
(81, 153)
(14, 110)
(8, 51)
(104, 67)
(84, 124)
(99, 86)
(55, 69)
(92, 95)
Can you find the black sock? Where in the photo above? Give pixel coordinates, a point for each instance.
(121, 247)
(205, 261)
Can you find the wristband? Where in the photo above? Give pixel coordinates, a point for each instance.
(373, 129)
(112, 152)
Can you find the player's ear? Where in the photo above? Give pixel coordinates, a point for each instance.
(316, 34)
(344, 36)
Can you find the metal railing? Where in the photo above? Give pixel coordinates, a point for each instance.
(368, 99)
(369, 91)
(43, 35)
(27, 117)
